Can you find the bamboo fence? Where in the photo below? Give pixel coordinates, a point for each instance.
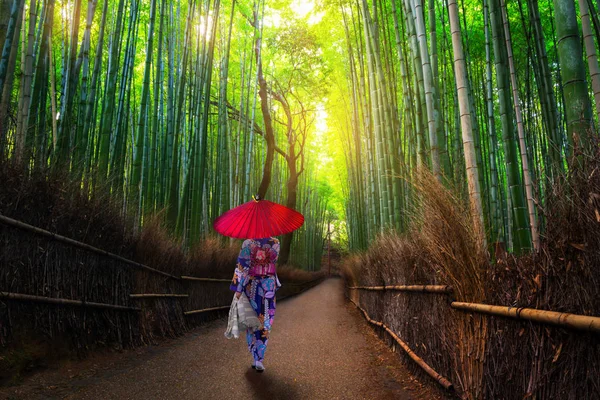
(584, 323)
(164, 316)
(157, 295)
(66, 302)
(430, 371)
(59, 238)
(409, 288)
(566, 320)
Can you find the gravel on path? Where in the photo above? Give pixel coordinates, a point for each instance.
(320, 348)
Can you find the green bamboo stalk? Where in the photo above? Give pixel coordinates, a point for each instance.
(572, 71)
(521, 131)
(109, 97)
(520, 226)
(135, 193)
(465, 120)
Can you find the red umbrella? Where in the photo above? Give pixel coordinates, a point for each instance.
(258, 219)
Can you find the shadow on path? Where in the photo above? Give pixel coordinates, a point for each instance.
(270, 386)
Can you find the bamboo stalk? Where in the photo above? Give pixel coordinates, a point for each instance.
(193, 278)
(581, 322)
(206, 310)
(430, 371)
(21, 225)
(409, 288)
(52, 300)
(158, 295)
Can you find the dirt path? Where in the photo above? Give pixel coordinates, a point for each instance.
(320, 348)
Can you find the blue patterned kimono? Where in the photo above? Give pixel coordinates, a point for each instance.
(255, 275)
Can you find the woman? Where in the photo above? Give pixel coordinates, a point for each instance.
(255, 276)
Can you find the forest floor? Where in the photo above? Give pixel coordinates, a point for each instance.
(320, 348)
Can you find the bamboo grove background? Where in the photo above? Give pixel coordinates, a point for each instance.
(157, 103)
(163, 105)
(470, 129)
(494, 96)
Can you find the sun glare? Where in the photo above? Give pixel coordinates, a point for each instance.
(321, 121)
(302, 7)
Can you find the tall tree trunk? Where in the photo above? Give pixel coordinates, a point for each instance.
(267, 119)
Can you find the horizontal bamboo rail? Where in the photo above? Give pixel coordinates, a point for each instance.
(21, 225)
(205, 310)
(409, 288)
(156, 295)
(53, 300)
(430, 371)
(228, 306)
(574, 321)
(193, 278)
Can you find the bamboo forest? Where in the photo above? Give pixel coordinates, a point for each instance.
(180, 105)
(445, 147)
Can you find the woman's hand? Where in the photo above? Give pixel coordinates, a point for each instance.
(238, 294)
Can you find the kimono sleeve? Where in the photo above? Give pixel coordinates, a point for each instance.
(241, 271)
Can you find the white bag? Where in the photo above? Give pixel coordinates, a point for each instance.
(246, 315)
(232, 321)
(241, 317)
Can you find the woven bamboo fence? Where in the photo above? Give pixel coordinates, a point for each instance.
(55, 288)
(568, 321)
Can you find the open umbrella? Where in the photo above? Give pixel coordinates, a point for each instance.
(258, 219)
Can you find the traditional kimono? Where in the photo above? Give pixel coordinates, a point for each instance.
(255, 276)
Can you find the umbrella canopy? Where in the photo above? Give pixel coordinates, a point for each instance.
(258, 219)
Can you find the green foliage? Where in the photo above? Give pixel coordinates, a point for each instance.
(177, 123)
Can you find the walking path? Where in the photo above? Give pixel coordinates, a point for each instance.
(320, 348)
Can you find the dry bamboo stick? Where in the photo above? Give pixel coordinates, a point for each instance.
(430, 371)
(20, 225)
(581, 322)
(205, 310)
(53, 300)
(409, 288)
(193, 278)
(151, 295)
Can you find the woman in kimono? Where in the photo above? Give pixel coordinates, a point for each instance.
(255, 275)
